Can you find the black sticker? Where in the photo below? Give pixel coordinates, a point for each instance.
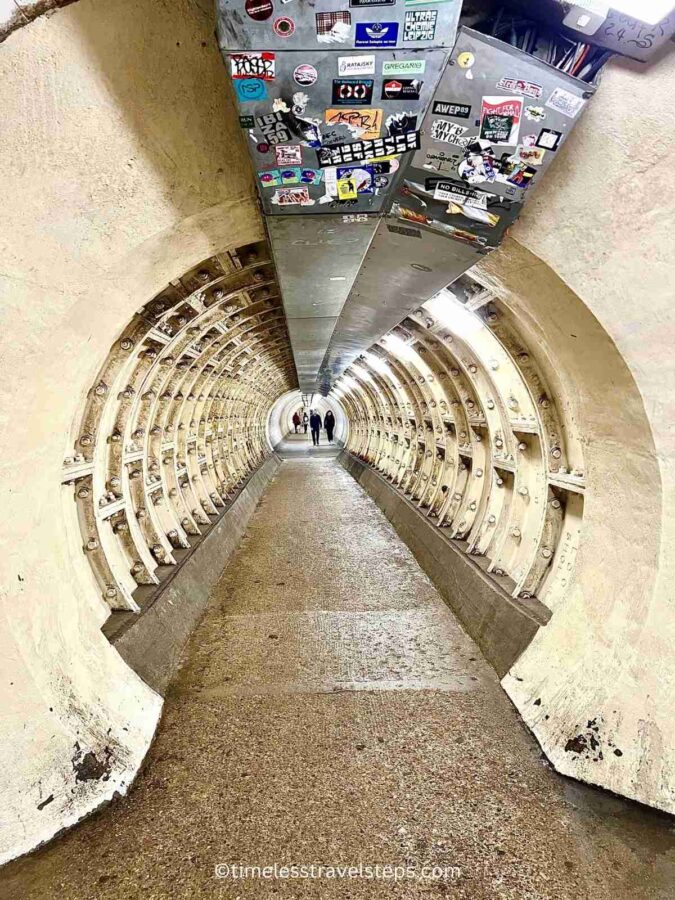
(343, 154)
(352, 91)
(407, 232)
(401, 89)
(247, 121)
(456, 110)
(549, 139)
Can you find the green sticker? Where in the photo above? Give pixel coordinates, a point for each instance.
(247, 121)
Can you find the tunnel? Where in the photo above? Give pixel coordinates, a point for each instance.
(338, 461)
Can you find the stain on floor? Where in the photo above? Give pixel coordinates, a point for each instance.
(330, 711)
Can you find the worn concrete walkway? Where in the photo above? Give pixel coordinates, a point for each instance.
(331, 711)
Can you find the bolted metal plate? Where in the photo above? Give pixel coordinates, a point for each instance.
(336, 24)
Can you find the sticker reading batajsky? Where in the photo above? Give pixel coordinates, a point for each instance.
(500, 119)
(420, 25)
(376, 34)
(351, 91)
(356, 65)
(361, 150)
(252, 65)
(404, 67)
(454, 110)
(567, 104)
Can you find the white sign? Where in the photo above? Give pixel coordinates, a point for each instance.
(356, 65)
(463, 197)
(567, 104)
(404, 67)
(448, 132)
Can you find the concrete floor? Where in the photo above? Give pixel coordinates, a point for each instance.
(331, 711)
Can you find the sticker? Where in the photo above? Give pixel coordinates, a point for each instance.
(456, 110)
(288, 155)
(354, 91)
(500, 119)
(273, 128)
(297, 196)
(376, 34)
(247, 121)
(532, 156)
(406, 232)
(283, 26)
(311, 176)
(404, 67)
(363, 123)
(479, 165)
(354, 152)
(567, 104)
(401, 123)
(356, 65)
(518, 86)
(535, 113)
(270, 178)
(250, 89)
(420, 25)
(529, 140)
(352, 220)
(466, 60)
(263, 147)
(381, 181)
(401, 89)
(258, 9)
(305, 75)
(290, 176)
(361, 3)
(253, 65)
(351, 182)
(549, 139)
(333, 27)
(513, 171)
(449, 132)
(439, 161)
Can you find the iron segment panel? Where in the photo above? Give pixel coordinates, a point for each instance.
(313, 28)
(339, 121)
(400, 272)
(549, 103)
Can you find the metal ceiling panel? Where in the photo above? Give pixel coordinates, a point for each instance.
(335, 24)
(404, 267)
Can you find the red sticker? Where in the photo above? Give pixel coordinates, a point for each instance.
(259, 9)
(284, 26)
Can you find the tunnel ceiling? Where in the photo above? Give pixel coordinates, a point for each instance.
(391, 152)
(177, 419)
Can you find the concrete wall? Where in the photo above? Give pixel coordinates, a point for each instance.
(123, 166)
(589, 274)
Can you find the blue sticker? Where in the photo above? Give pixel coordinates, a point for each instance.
(249, 89)
(376, 34)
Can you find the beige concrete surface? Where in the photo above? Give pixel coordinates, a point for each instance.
(331, 711)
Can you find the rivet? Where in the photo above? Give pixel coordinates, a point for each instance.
(126, 344)
(546, 553)
(83, 493)
(92, 544)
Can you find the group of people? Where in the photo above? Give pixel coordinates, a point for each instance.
(314, 423)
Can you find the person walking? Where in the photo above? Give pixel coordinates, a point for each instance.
(329, 425)
(296, 422)
(305, 421)
(315, 425)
